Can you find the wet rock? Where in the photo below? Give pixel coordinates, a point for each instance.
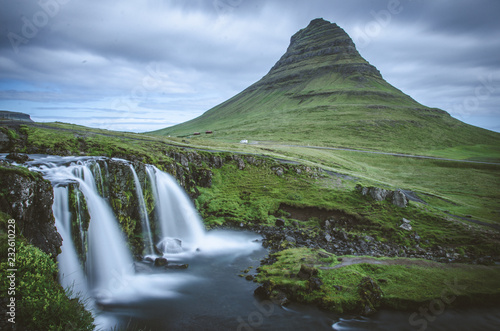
(28, 199)
(279, 222)
(161, 262)
(18, 157)
(370, 294)
(177, 266)
(249, 277)
(264, 291)
(170, 245)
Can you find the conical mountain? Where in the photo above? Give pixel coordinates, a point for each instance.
(322, 92)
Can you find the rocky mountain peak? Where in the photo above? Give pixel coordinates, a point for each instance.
(319, 48)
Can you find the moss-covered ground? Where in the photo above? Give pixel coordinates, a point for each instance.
(405, 283)
(40, 301)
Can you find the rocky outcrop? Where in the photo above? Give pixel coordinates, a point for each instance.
(397, 197)
(14, 116)
(28, 198)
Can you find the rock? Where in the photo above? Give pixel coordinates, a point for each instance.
(14, 116)
(399, 199)
(379, 194)
(307, 272)
(279, 172)
(328, 238)
(290, 239)
(28, 199)
(406, 225)
(324, 254)
(170, 245)
(263, 291)
(177, 266)
(249, 277)
(161, 262)
(18, 157)
(370, 294)
(314, 284)
(279, 222)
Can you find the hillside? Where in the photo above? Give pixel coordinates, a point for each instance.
(322, 92)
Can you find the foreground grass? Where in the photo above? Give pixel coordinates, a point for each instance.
(405, 284)
(41, 302)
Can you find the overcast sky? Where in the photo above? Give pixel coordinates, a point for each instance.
(142, 65)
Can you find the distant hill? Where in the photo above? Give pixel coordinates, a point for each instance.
(322, 92)
(14, 116)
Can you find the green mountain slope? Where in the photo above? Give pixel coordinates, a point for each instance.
(322, 92)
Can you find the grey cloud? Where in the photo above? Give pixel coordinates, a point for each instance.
(99, 51)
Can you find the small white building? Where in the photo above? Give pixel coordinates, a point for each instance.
(244, 141)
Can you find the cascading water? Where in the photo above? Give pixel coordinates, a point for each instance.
(146, 228)
(70, 271)
(176, 214)
(107, 276)
(108, 258)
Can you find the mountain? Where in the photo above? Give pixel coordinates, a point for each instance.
(322, 92)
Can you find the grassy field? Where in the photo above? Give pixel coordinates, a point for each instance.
(458, 188)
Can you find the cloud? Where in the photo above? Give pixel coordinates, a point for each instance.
(183, 57)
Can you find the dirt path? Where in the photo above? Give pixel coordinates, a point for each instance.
(380, 153)
(346, 261)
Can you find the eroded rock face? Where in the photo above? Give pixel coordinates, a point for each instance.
(28, 199)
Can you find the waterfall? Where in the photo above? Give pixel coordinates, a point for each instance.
(177, 217)
(108, 259)
(71, 275)
(146, 228)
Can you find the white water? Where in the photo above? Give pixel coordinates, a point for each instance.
(146, 228)
(176, 214)
(108, 277)
(70, 271)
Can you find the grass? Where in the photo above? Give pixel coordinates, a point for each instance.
(41, 303)
(254, 196)
(457, 187)
(405, 283)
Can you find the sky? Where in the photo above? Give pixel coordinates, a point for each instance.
(143, 65)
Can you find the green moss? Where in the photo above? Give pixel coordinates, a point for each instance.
(41, 303)
(405, 283)
(22, 171)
